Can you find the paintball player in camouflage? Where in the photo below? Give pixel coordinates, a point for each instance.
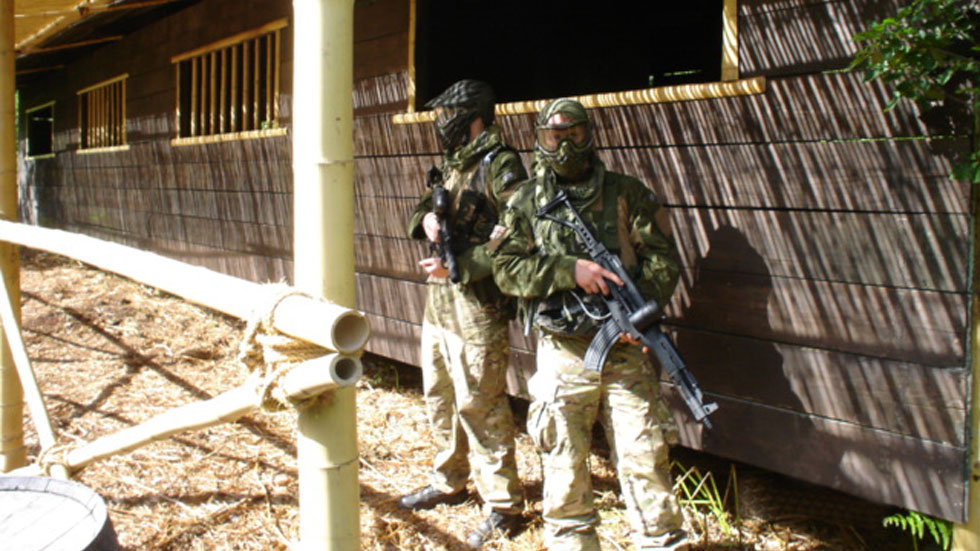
(544, 265)
(465, 343)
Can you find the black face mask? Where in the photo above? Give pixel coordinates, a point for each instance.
(455, 132)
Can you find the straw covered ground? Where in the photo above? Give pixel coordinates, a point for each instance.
(110, 353)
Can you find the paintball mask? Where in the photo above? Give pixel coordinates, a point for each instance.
(457, 107)
(564, 138)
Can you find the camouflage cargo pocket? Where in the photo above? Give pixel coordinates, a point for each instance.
(541, 426)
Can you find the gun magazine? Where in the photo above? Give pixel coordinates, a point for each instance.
(602, 343)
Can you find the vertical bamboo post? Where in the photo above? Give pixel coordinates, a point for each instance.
(323, 250)
(966, 536)
(729, 43)
(12, 452)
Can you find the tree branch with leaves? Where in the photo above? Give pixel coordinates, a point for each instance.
(930, 54)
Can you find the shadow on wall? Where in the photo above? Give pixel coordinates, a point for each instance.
(846, 421)
(748, 372)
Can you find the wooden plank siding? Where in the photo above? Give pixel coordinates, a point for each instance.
(824, 295)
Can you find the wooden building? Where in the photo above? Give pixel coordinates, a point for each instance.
(826, 253)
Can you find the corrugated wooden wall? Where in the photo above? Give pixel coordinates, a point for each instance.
(824, 297)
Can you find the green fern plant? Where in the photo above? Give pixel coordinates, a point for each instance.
(917, 524)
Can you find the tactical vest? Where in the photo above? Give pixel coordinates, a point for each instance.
(574, 312)
(474, 214)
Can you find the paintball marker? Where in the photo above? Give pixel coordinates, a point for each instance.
(629, 313)
(441, 202)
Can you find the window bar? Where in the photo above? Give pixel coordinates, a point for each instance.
(110, 114)
(255, 85)
(268, 80)
(213, 111)
(224, 92)
(101, 98)
(193, 87)
(99, 130)
(93, 116)
(91, 119)
(234, 88)
(203, 93)
(246, 79)
(179, 117)
(122, 114)
(117, 112)
(275, 89)
(81, 125)
(84, 118)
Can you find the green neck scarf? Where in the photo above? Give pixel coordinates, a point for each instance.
(463, 158)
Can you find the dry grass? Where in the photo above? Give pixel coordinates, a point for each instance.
(110, 353)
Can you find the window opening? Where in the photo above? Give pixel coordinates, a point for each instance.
(556, 49)
(40, 130)
(231, 86)
(102, 114)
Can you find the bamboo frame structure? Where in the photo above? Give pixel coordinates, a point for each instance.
(324, 323)
(729, 41)
(12, 451)
(680, 92)
(308, 379)
(323, 222)
(35, 401)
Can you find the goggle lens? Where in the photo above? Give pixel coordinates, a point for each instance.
(551, 138)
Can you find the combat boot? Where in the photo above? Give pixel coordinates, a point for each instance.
(496, 524)
(429, 497)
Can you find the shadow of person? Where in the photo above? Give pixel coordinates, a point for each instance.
(761, 419)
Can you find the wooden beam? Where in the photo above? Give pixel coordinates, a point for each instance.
(79, 12)
(69, 46)
(40, 69)
(93, 9)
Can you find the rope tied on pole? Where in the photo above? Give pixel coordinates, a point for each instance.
(54, 456)
(269, 354)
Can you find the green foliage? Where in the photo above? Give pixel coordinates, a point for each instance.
(698, 493)
(917, 524)
(929, 53)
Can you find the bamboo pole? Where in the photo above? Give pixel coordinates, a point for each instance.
(323, 222)
(966, 536)
(35, 401)
(324, 323)
(12, 451)
(729, 42)
(307, 379)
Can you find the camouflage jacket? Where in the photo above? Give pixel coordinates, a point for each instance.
(535, 259)
(480, 177)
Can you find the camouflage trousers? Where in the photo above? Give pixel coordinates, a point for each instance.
(625, 398)
(465, 349)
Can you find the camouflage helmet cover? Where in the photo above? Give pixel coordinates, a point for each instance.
(457, 106)
(573, 110)
(564, 138)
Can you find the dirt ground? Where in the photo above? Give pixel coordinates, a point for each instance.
(110, 353)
